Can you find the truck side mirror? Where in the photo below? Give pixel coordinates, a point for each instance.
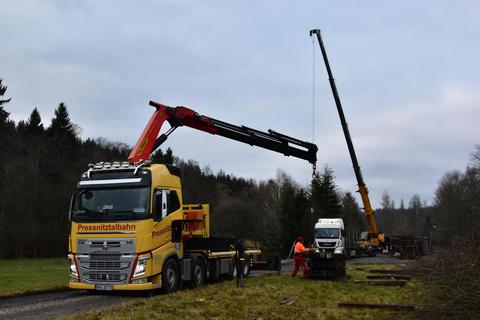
(164, 203)
(160, 205)
(70, 208)
(177, 227)
(157, 205)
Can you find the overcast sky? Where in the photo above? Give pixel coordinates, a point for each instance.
(408, 73)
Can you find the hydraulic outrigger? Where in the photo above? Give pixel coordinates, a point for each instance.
(182, 116)
(362, 187)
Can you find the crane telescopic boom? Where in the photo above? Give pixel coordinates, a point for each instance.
(182, 116)
(362, 187)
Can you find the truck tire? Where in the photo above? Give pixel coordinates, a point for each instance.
(233, 269)
(170, 276)
(246, 267)
(198, 273)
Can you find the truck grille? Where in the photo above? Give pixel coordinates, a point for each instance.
(101, 244)
(327, 244)
(105, 260)
(104, 277)
(105, 257)
(107, 265)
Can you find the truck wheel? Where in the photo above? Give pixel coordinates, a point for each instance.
(233, 269)
(198, 273)
(246, 267)
(170, 276)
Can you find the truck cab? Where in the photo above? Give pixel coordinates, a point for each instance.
(121, 231)
(330, 236)
(131, 231)
(327, 259)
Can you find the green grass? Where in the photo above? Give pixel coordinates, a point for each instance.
(261, 297)
(31, 275)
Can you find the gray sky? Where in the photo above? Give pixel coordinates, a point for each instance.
(408, 74)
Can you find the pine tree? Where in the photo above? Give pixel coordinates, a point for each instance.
(168, 158)
(61, 125)
(157, 156)
(34, 124)
(294, 208)
(163, 157)
(351, 213)
(3, 114)
(324, 195)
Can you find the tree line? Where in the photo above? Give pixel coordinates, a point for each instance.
(453, 215)
(40, 165)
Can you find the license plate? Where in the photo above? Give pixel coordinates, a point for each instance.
(103, 287)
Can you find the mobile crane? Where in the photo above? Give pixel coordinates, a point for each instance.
(370, 240)
(129, 227)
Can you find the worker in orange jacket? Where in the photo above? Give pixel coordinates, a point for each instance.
(299, 257)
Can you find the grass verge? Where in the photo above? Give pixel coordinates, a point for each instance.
(451, 283)
(22, 276)
(261, 299)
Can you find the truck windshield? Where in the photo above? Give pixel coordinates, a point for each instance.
(327, 233)
(111, 204)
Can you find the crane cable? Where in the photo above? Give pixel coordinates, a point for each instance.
(314, 166)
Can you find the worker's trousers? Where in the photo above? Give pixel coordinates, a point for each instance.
(300, 262)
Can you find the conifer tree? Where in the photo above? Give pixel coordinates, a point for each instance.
(294, 209)
(163, 157)
(324, 196)
(351, 213)
(61, 125)
(34, 124)
(3, 114)
(168, 158)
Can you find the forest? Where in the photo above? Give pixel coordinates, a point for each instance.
(40, 166)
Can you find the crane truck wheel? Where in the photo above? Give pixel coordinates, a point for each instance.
(233, 269)
(246, 267)
(170, 276)
(198, 273)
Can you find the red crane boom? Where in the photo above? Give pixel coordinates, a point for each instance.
(183, 116)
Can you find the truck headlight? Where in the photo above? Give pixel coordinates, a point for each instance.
(338, 250)
(141, 266)
(73, 265)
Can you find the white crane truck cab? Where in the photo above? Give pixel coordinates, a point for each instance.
(330, 236)
(327, 259)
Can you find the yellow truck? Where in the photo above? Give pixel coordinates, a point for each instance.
(130, 229)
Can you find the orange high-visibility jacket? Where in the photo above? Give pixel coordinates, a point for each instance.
(300, 248)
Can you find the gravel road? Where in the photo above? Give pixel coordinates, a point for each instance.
(55, 304)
